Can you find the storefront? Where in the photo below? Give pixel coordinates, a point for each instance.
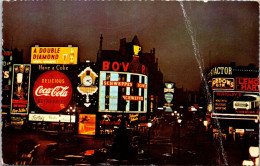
(235, 98)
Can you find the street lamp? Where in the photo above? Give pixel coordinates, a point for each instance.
(173, 125)
(149, 126)
(205, 123)
(179, 135)
(104, 143)
(59, 131)
(71, 111)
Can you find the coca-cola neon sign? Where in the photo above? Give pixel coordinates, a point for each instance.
(58, 91)
(52, 91)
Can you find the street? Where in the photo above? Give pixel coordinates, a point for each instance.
(196, 147)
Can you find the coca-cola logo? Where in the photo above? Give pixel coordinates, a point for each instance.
(52, 91)
(57, 91)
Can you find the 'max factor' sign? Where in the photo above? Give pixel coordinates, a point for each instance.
(169, 90)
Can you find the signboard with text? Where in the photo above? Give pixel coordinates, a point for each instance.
(247, 84)
(117, 87)
(52, 118)
(20, 88)
(54, 55)
(223, 83)
(52, 91)
(236, 102)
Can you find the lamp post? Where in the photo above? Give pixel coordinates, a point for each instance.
(104, 143)
(173, 124)
(179, 135)
(70, 111)
(149, 126)
(59, 131)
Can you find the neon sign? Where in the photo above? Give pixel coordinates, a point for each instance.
(117, 83)
(131, 87)
(223, 83)
(247, 84)
(221, 71)
(133, 98)
(20, 89)
(115, 66)
(52, 91)
(54, 55)
(87, 86)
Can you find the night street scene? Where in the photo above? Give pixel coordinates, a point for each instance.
(130, 83)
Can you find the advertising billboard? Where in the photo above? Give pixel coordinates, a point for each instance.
(233, 103)
(87, 86)
(168, 95)
(52, 118)
(52, 91)
(247, 84)
(223, 83)
(20, 88)
(87, 124)
(54, 55)
(116, 87)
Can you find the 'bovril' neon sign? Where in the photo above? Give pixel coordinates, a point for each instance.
(118, 66)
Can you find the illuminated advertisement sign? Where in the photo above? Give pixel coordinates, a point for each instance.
(20, 89)
(168, 97)
(169, 90)
(133, 98)
(122, 66)
(117, 86)
(247, 84)
(117, 83)
(87, 86)
(139, 85)
(52, 118)
(221, 71)
(54, 55)
(7, 70)
(133, 117)
(223, 83)
(52, 91)
(236, 102)
(7, 53)
(87, 124)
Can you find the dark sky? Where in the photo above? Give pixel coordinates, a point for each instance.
(225, 31)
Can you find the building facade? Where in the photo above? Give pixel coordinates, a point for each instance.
(234, 98)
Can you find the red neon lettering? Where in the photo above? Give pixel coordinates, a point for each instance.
(240, 80)
(143, 69)
(125, 66)
(254, 88)
(105, 65)
(115, 64)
